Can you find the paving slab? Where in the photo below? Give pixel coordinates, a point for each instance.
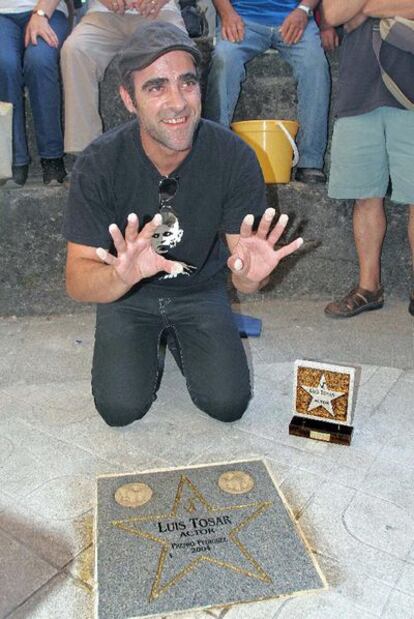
(323, 522)
(399, 605)
(406, 582)
(55, 541)
(36, 461)
(391, 481)
(330, 605)
(379, 524)
(358, 588)
(32, 356)
(21, 573)
(62, 598)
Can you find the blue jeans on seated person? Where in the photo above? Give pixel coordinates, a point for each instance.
(310, 69)
(128, 358)
(36, 67)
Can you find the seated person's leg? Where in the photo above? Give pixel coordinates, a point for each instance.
(85, 56)
(213, 359)
(11, 84)
(126, 365)
(227, 71)
(171, 14)
(41, 75)
(311, 71)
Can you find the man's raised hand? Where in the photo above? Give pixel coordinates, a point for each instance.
(254, 256)
(136, 258)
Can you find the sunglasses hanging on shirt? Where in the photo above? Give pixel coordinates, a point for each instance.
(167, 190)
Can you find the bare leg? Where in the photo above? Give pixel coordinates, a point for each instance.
(370, 224)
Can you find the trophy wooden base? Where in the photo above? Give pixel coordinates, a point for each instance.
(321, 430)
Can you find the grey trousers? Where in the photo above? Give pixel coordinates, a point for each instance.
(84, 58)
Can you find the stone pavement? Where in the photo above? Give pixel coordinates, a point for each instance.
(355, 504)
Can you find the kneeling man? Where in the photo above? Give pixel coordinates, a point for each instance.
(149, 205)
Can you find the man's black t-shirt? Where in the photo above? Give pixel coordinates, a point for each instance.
(219, 182)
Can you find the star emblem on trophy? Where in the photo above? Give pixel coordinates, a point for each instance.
(323, 401)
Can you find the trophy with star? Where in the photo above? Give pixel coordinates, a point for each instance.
(323, 401)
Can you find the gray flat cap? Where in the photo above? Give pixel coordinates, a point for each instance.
(150, 41)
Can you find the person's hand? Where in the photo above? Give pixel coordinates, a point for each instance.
(254, 256)
(293, 26)
(232, 27)
(329, 39)
(38, 26)
(136, 258)
(116, 6)
(147, 8)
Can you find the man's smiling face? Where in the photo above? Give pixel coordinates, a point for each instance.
(167, 102)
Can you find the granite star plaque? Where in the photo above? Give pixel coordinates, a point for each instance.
(182, 539)
(323, 401)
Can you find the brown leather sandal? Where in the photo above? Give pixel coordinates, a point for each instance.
(356, 301)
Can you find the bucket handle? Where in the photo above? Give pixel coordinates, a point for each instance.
(291, 142)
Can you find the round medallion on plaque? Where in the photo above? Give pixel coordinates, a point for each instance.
(236, 482)
(133, 495)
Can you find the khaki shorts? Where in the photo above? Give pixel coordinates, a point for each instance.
(369, 149)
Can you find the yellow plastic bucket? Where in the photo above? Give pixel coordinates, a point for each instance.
(274, 145)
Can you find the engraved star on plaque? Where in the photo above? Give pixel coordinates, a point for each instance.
(323, 401)
(169, 571)
(207, 536)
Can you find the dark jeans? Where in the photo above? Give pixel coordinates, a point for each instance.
(128, 359)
